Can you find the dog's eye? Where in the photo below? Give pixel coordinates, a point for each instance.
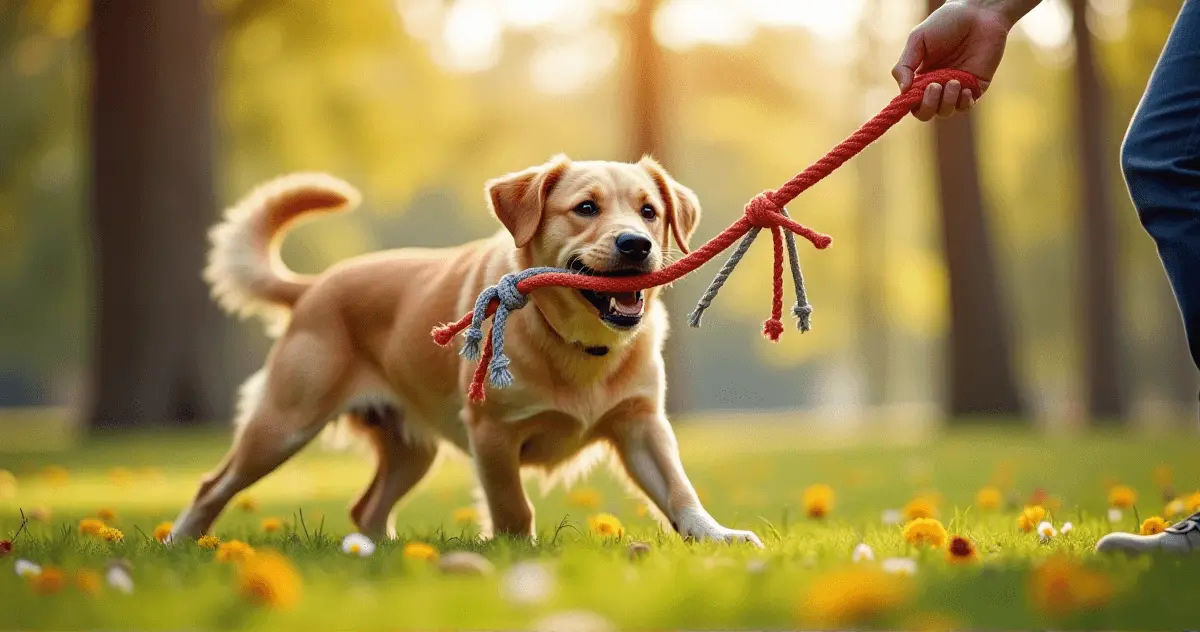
(587, 209)
(648, 212)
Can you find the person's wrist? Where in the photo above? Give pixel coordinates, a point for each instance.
(1008, 12)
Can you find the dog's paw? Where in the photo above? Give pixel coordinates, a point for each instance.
(698, 525)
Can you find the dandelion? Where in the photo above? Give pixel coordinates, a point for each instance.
(1115, 515)
(862, 553)
(642, 510)
(1153, 526)
(163, 531)
(1061, 586)
(853, 596)
(1066, 528)
(107, 515)
(111, 534)
(921, 507)
(606, 526)
(269, 579)
(466, 515)
(48, 582)
(818, 501)
(899, 566)
(1030, 517)
(989, 499)
(234, 551)
(246, 503)
(1046, 532)
(420, 551)
(89, 582)
(272, 525)
(925, 532)
(358, 544)
(91, 526)
(961, 550)
(584, 497)
(208, 542)
(527, 584)
(1122, 497)
(891, 517)
(27, 569)
(1175, 508)
(1193, 503)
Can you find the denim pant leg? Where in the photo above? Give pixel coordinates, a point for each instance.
(1161, 161)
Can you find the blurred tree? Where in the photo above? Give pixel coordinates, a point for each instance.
(156, 334)
(980, 367)
(1102, 346)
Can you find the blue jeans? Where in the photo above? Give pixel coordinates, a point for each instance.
(1161, 161)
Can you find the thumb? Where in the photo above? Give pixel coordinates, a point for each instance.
(910, 59)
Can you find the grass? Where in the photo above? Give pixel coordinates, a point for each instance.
(750, 477)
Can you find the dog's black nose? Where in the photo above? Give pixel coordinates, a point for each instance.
(634, 247)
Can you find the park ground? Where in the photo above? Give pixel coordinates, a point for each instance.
(769, 478)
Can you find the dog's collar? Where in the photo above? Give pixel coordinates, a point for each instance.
(594, 351)
(599, 352)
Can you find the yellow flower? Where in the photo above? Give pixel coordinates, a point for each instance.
(925, 532)
(111, 534)
(1193, 503)
(208, 542)
(420, 551)
(56, 475)
(466, 515)
(90, 526)
(272, 525)
(989, 499)
(920, 507)
(642, 510)
(1061, 586)
(162, 531)
(853, 596)
(269, 579)
(1163, 476)
(962, 550)
(246, 504)
(107, 515)
(1175, 508)
(1122, 497)
(89, 582)
(48, 582)
(606, 526)
(584, 497)
(1153, 526)
(1030, 518)
(818, 501)
(234, 551)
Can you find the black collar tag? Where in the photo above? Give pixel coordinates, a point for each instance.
(599, 352)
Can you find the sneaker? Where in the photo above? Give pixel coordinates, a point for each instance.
(1183, 537)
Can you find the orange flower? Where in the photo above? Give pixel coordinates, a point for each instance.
(246, 504)
(920, 507)
(1122, 497)
(89, 582)
(606, 526)
(925, 532)
(584, 497)
(1030, 518)
(989, 499)
(420, 551)
(107, 515)
(48, 582)
(234, 551)
(162, 531)
(466, 515)
(111, 534)
(1153, 526)
(208, 542)
(1062, 586)
(90, 526)
(272, 525)
(818, 501)
(269, 579)
(852, 596)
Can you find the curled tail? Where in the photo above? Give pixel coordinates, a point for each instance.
(244, 268)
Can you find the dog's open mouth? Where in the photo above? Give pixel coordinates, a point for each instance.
(619, 309)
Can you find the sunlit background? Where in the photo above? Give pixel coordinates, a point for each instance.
(417, 102)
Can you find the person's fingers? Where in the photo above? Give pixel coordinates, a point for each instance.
(930, 103)
(910, 59)
(949, 101)
(966, 101)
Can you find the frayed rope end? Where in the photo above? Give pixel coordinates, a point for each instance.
(443, 334)
(773, 329)
(695, 317)
(803, 314)
(470, 348)
(477, 392)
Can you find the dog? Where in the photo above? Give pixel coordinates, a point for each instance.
(353, 344)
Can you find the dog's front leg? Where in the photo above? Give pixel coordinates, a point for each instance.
(497, 453)
(648, 450)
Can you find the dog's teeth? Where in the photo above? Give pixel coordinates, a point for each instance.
(612, 303)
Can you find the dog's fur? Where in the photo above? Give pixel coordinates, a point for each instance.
(354, 342)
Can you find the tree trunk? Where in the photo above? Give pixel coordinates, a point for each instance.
(1107, 401)
(646, 120)
(156, 345)
(980, 370)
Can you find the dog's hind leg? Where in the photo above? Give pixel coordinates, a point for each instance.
(402, 460)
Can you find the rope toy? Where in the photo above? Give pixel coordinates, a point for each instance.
(764, 212)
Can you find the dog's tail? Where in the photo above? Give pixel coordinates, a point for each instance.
(244, 268)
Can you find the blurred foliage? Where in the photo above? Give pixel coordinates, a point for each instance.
(364, 89)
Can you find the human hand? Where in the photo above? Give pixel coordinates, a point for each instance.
(966, 35)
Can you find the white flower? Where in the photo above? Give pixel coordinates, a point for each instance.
(527, 584)
(358, 544)
(1066, 528)
(863, 553)
(1046, 531)
(25, 568)
(900, 566)
(1114, 515)
(756, 566)
(119, 578)
(892, 516)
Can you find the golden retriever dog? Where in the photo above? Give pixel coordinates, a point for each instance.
(354, 344)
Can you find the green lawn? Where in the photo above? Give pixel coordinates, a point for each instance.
(750, 475)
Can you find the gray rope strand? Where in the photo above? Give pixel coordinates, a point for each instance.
(802, 309)
(474, 333)
(722, 276)
(511, 299)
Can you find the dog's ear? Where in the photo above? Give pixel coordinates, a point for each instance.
(683, 207)
(518, 199)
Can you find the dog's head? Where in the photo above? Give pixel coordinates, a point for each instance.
(598, 218)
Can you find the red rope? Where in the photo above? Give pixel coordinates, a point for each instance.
(763, 212)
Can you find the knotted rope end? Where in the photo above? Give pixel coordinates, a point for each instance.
(470, 349)
(773, 329)
(803, 314)
(499, 375)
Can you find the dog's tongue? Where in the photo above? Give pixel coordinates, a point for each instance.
(627, 302)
